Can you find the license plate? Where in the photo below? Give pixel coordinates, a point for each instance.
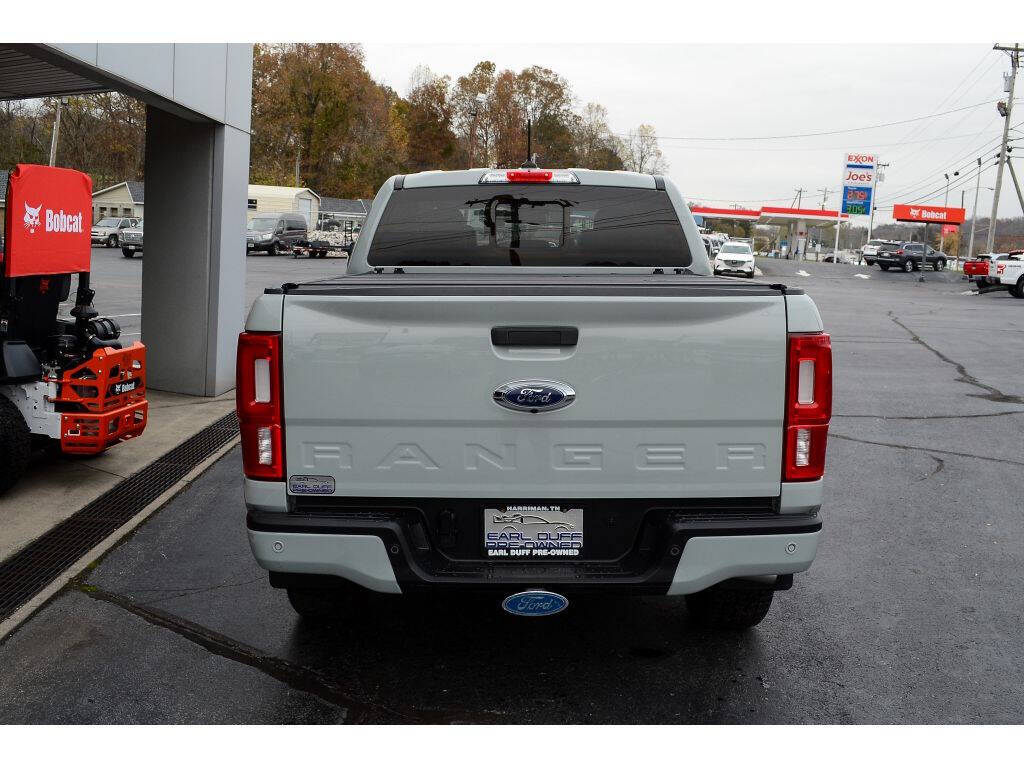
(533, 530)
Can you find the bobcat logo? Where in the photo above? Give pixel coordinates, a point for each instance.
(32, 217)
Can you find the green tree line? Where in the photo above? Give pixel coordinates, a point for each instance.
(320, 120)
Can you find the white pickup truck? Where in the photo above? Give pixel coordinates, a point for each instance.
(528, 383)
(1007, 270)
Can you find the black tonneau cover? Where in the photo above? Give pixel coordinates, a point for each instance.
(480, 284)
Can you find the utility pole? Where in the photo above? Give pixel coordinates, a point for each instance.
(56, 129)
(1014, 52)
(945, 204)
(298, 165)
(974, 215)
(824, 197)
(959, 235)
(1016, 186)
(878, 178)
(478, 102)
(800, 196)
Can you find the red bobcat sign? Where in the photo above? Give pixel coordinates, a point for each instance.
(928, 214)
(49, 218)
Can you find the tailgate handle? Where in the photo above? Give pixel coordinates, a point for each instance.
(534, 336)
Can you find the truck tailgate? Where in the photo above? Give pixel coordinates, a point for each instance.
(388, 389)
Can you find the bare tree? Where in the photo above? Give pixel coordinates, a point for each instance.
(640, 151)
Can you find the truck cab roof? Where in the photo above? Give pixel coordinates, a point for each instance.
(475, 175)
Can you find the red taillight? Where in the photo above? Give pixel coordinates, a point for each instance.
(529, 176)
(899, 252)
(258, 400)
(808, 405)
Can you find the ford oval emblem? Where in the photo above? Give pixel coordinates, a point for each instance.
(535, 602)
(534, 395)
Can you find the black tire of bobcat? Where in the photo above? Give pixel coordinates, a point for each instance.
(15, 444)
(722, 608)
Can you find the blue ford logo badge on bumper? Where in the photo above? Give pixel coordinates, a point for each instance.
(535, 602)
(534, 395)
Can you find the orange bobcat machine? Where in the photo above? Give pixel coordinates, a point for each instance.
(61, 379)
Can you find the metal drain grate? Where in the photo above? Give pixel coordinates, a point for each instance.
(27, 572)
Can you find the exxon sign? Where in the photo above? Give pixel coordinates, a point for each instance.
(858, 184)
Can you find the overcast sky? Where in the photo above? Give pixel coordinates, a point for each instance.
(769, 90)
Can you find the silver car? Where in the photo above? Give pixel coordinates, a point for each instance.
(108, 231)
(131, 240)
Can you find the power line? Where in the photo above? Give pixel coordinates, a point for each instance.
(965, 159)
(835, 148)
(814, 133)
(949, 96)
(961, 181)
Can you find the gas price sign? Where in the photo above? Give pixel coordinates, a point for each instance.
(859, 172)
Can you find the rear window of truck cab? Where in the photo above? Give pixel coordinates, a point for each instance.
(529, 225)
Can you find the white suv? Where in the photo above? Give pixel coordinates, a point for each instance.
(734, 258)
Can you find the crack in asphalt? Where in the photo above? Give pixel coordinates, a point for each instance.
(924, 449)
(924, 418)
(993, 395)
(940, 465)
(189, 591)
(293, 675)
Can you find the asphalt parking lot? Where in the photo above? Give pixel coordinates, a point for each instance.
(912, 613)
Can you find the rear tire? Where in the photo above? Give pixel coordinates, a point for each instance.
(15, 444)
(908, 266)
(128, 254)
(939, 265)
(720, 607)
(1017, 291)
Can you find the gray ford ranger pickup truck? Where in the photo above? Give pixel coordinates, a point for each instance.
(529, 383)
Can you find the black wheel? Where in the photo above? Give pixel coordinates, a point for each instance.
(720, 607)
(884, 267)
(15, 444)
(112, 241)
(939, 265)
(128, 253)
(324, 605)
(272, 250)
(908, 266)
(1017, 291)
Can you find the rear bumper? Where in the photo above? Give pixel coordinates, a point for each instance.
(654, 546)
(705, 561)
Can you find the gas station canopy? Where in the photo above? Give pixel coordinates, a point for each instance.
(770, 215)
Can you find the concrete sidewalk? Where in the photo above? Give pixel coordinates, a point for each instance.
(56, 486)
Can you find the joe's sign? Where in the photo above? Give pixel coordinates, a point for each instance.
(928, 214)
(858, 186)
